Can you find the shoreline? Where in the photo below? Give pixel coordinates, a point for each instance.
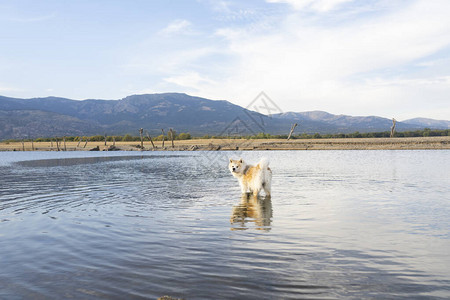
(412, 143)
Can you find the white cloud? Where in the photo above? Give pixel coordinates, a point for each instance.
(306, 63)
(173, 61)
(314, 5)
(419, 82)
(380, 59)
(8, 89)
(177, 27)
(190, 79)
(218, 5)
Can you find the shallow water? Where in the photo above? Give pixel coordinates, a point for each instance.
(340, 224)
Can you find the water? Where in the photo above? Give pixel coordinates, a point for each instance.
(340, 224)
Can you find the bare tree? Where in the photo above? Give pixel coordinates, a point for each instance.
(151, 141)
(57, 143)
(393, 128)
(171, 136)
(292, 130)
(141, 133)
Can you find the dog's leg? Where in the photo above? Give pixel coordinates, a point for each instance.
(243, 188)
(267, 190)
(266, 186)
(256, 192)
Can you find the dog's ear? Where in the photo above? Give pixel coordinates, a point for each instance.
(241, 160)
(231, 160)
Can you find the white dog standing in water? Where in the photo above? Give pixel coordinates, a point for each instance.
(252, 178)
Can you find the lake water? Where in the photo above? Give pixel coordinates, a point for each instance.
(340, 224)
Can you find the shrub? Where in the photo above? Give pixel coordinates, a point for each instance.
(127, 138)
(184, 136)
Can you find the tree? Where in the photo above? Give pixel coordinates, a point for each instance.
(127, 138)
(184, 136)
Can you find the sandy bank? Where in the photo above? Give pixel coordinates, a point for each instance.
(243, 144)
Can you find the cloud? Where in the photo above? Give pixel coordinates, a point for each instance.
(173, 61)
(8, 89)
(366, 59)
(177, 27)
(358, 65)
(218, 5)
(313, 5)
(190, 79)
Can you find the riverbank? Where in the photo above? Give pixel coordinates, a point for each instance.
(414, 143)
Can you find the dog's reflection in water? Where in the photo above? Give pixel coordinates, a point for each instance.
(257, 210)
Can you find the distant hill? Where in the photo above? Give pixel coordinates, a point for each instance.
(44, 117)
(429, 123)
(326, 122)
(53, 116)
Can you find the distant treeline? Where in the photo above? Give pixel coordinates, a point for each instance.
(417, 133)
(187, 136)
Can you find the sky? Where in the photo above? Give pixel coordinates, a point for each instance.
(353, 57)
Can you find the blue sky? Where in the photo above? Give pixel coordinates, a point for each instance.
(386, 58)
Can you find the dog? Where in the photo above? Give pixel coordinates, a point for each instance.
(252, 178)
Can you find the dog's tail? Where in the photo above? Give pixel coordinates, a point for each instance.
(263, 163)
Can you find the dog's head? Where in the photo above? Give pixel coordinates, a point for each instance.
(236, 166)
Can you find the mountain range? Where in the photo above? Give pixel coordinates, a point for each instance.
(54, 116)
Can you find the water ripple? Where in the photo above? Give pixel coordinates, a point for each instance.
(339, 225)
